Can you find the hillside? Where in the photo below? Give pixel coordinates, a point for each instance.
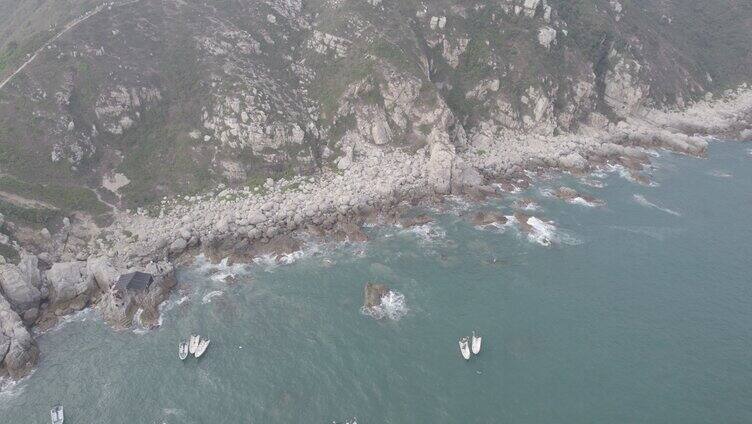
(151, 98)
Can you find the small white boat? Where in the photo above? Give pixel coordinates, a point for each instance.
(56, 414)
(476, 343)
(464, 347)
(183, 350)
(193, 343)
(202, 347)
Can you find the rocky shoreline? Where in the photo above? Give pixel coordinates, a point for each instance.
(76, 267)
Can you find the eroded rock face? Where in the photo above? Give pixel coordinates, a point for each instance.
(21, 285)
(69, 281)
(18, 350)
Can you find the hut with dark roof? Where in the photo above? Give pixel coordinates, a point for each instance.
(136, 282)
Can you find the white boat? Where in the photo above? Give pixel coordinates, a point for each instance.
(476, 343)
(202, 347)
(56, 414)
(183, 350)
(193, 344)
(464, 347)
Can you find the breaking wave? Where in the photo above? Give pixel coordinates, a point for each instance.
(427, 232)
(640, 199)
(211, 295)
(392, 307)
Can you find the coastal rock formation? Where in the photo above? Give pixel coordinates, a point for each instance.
(70, 285)
(372, 294)
(21, 284)
(483, 218)
(18, 350)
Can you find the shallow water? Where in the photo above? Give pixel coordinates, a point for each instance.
(638, 312)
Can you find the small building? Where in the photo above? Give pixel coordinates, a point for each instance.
(134, 282)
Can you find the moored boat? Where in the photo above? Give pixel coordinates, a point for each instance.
(183, 350)
(476, 343)
(464, 347)
(56, 414)
(193, 344)
(203, 344)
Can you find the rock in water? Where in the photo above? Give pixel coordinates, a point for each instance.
(372, 294)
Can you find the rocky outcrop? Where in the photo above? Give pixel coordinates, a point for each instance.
(21, 286)
(483, 218)
(18, 350)
(372, 294)
(70, 285)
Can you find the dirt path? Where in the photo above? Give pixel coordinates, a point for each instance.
(69, 26)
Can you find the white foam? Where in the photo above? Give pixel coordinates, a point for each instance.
(591, 182)
(80, 316)
(429, 232)
(392, 307)
(584, 202)
(10, 388)
(749, 152)
(211, 295)
(719, 174)
(543, 233)
(640, 199)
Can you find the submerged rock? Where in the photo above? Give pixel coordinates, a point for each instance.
(415, 221)
(483, 218)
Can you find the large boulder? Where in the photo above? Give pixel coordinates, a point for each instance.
(102, 271)
(440, 166)
(21, 286)
(69, 281)
(18, 350)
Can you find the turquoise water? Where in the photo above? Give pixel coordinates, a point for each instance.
(640, 314)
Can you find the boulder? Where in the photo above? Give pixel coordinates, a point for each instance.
(19, 287)
(483, 218)
(440, 168)
(372, 294)
(68, 280)
(102, 272)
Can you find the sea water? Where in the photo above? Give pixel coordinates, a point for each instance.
(636, 311)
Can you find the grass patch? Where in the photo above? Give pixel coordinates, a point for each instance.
(66, 198)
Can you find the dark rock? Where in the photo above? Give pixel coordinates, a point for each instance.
(408, 222)
(372, 294)
(483, 218)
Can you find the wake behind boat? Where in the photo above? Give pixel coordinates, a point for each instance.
(476, 343)
(56, 414)
(464, 347)
(203, 344)
(193, 344)
(183, 350)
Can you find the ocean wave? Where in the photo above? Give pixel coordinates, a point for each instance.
(592, 182)
(271, 261)
(137, 327)
(10, 388)
(749, 152)
(641, 200)
(429, 232)
(392, 307)
(221, 271)
(211, 295)
(544, 233)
